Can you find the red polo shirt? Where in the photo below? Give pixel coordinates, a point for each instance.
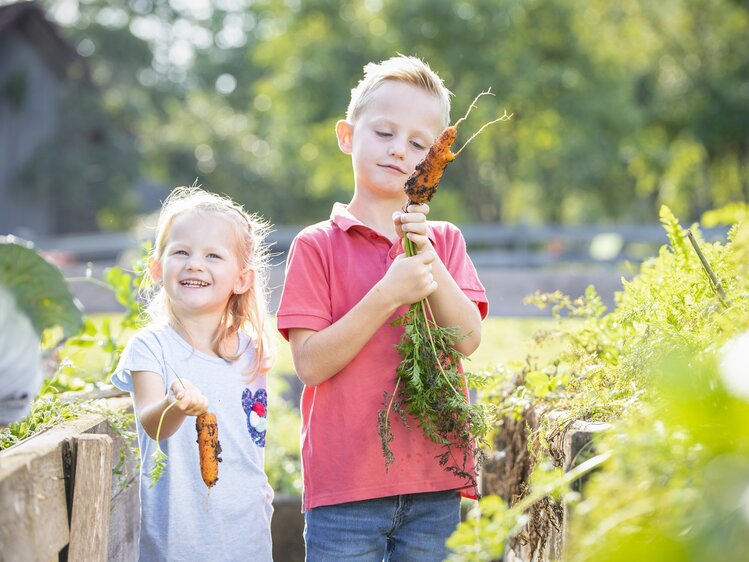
(330, 267)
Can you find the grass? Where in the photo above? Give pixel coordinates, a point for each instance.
(503, 340)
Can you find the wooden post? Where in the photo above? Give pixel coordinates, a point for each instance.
(89, 524)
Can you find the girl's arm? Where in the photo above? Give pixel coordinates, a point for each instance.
(449, 304)
(320, 355)
(150, 403)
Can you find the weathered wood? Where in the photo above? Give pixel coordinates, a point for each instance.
(124, 525)
(287, 528)
(89, 524)
(33, 504)
(34, 521)
(33, 508)
(570, 442)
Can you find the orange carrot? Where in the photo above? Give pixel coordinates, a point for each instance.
(422, 184)
(209, 447)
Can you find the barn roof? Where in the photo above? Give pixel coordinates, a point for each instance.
(29, 19)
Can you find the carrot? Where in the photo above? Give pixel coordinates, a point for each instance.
(429, 384)
(209, 447)
(422, 184)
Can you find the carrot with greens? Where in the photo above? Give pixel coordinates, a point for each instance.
(209, 448)
(422, 184)
(430, 386)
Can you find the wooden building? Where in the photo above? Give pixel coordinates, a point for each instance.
(35, 63)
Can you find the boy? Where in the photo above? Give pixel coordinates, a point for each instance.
(347, 279)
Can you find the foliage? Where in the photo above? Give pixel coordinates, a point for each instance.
(48, 290)
(430, 387)
(619, 108)
(39, 289)
(652, 368)
(49, 410)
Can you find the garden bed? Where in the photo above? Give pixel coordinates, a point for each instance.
(68, 493)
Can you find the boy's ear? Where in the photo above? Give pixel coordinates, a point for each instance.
(244, 281)
(344, 130)
(154, 270)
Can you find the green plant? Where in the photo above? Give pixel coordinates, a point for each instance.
(431, 388)
(652, 368)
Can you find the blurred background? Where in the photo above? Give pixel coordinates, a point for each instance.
(618, 107)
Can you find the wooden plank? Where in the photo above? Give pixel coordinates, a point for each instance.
(89, 524)
(124, 526)
(33, 508)
(125, 460)
(33, 503)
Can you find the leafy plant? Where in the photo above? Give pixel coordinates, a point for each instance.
(651, 367)
(39, 288)
(431, 388)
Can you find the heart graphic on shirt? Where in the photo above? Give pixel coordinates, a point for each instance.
(256, 408)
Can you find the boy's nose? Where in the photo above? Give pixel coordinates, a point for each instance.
(397, 151)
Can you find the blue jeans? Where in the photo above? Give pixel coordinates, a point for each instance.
(408, 528)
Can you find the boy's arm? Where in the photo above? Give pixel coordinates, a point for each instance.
(449, 304)
(451, 307)
(318, 355)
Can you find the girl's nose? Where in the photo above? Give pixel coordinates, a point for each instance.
(194, 263)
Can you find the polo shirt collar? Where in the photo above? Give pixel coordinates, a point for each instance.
(343, 219)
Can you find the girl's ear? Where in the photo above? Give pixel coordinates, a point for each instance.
(154, 270)
(344, 130)
(244, 281)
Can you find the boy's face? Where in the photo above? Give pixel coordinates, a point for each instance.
(390, 137)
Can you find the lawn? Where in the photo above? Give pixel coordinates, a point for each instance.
(503, 340)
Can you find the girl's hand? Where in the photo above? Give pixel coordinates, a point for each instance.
(413, 224)
(190, 401)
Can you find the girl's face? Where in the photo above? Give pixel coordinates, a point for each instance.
(199, 267)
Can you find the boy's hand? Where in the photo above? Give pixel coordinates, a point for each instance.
(409, 279)
(191, 401)
(413, 224)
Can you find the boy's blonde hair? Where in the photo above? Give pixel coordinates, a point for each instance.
(401, 68)
(247, 311)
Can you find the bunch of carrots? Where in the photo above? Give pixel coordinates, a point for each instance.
(430, 386)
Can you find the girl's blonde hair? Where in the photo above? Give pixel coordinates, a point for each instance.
(401, 68)
(247, 311)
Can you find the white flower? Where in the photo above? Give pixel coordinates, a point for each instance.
(734, 365)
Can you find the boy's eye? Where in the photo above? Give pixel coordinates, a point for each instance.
(180, 252)
(383, 134)
(214, 256)
(418, 146)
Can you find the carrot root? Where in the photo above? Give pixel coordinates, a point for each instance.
(209, 447)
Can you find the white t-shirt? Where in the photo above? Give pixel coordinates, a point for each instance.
(180, 518)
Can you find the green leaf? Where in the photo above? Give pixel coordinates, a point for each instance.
(159, 464)
(39, 289)
(538, 383)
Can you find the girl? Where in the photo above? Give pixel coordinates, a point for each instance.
(203, 349)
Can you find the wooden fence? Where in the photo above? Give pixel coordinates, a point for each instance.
(70, 493)
(490, 245)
